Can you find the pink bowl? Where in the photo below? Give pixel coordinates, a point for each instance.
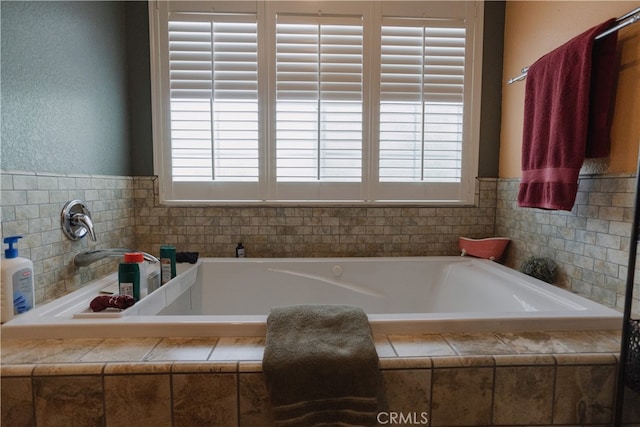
(490, 248)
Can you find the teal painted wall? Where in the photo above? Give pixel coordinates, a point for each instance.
(64, 87)
(139, 88)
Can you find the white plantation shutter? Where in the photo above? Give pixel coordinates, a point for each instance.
(421, 100)
(214, 98)
(319, 85)
(350, 101)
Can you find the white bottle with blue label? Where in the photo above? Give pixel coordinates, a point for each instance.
(18, 293)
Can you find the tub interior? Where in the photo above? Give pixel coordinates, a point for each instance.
(384, 286)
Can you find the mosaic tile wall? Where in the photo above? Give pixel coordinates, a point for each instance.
(590, 244)
(31, 207)
(311, 231)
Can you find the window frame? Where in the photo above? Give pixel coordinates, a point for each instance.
(370, 191)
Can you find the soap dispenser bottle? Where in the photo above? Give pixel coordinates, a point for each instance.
(240, 252)
(18, 294)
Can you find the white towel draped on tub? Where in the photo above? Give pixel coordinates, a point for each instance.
(321, 366)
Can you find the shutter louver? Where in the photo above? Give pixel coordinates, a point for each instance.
(421, 101)
(319, 85)
(213, 68)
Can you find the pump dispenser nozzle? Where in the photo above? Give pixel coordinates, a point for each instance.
(11, 252)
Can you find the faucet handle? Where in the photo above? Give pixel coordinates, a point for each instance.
(84, 220)
(76, 221)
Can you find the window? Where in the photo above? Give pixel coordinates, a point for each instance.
(338, 102)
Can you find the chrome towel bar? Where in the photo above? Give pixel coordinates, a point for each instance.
(623, 21)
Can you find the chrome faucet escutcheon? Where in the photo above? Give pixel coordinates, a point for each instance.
(76, 221)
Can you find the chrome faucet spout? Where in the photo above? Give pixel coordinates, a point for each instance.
(82, 259)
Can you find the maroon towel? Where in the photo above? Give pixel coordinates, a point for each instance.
(568, 98)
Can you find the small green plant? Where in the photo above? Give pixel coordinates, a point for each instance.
(541, 268)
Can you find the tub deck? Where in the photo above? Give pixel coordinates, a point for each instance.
(243, 348)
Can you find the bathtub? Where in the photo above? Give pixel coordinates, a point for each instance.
(232, 297)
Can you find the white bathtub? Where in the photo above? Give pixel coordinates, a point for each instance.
(231, 297)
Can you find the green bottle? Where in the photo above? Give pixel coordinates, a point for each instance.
(129, 279)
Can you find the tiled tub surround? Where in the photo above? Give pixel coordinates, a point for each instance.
(590, 244)
(31, 206)
(312, 231)
(506, 379)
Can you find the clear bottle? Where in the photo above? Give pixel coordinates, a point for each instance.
(18, 293)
